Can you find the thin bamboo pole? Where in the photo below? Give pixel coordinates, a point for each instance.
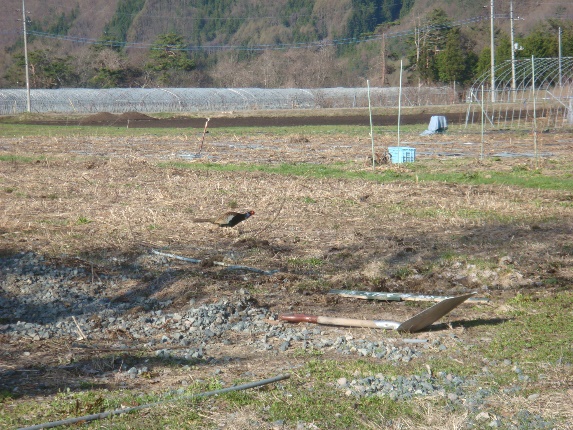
(482, 125)
(534, 111)
(371, 127)
(400, 102)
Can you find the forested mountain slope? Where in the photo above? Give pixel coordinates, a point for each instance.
(304, 43)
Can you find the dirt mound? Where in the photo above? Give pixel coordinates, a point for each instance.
(135, 116)
(100, 117)
(140, 120)
(107, 118)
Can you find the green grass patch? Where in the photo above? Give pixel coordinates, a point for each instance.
(306, 262)
(21, 129)
(83, 220)
(5, 395)
(446, 364)
(516, 179)
(319, 401)
(11, 158)
(32, 130)
(308, 200)
(447, 258)
(308, 170)
(538, 330)
(402, 272)
(438, 212)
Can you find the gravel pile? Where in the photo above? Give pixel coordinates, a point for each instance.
(406, 387)
(41, 301)
(458, 392)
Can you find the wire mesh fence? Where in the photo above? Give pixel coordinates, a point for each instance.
(536, 92)
(156, 100)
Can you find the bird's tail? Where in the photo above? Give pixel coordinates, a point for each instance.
(202, 220)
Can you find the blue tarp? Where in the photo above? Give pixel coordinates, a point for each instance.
(438, 124)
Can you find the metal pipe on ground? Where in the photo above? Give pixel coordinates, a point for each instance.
(150, 405)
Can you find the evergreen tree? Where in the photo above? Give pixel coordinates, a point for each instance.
(540, 43)
(502, 49)
(451, 61)
(566, 35)
(429, 39)
(406, 7)
(483, 64)
(167, 55)
(120, 23)
(365, 17)
(45, 70)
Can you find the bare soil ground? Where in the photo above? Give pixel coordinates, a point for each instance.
(232, 119)
(104, 203)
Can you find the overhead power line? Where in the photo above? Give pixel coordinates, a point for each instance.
(265, 47)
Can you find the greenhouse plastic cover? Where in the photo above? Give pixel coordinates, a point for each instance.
(119, 100)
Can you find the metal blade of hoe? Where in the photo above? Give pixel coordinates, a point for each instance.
(432, 314)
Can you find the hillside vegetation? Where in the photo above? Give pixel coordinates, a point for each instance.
(286, 43)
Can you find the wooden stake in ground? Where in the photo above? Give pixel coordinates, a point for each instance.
(204, 132)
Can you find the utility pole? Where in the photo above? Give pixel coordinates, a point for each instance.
(383, 59)
(560, 76)
(492, 55)
(512, 50)
(28, 103)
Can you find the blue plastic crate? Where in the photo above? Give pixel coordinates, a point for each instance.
(402, 154)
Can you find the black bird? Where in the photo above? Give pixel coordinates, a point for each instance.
(228, 219)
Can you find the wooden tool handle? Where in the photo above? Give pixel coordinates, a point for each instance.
(299, 318)
(346, 322)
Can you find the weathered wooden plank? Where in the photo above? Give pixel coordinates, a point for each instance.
(397, 297)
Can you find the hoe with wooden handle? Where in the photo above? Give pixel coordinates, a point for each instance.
(416, 323)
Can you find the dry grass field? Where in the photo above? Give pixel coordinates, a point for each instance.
(449, 223)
